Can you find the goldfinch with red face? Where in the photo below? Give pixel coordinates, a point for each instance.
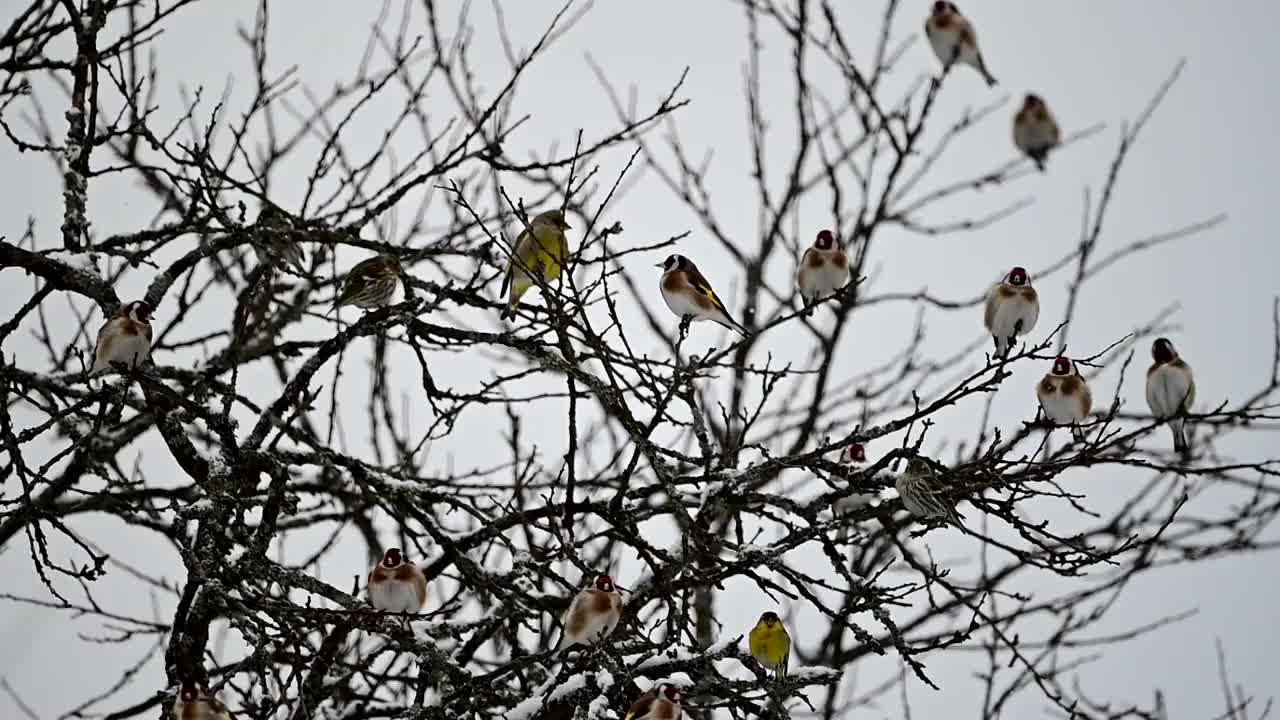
(688, 294)
(1012, 310)
(371, 283)
(125, 338)
(1171, 388)
(824, 269)
(1035, 131)
(954, 40)
(923, 493)
(852, 457)
(397, 585)
(593, 614)
(1064, 396)
(196, 703)
(660, 703)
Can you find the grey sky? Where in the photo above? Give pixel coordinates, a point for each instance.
(1210, 149)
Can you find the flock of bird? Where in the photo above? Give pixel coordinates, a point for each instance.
(1012, 308)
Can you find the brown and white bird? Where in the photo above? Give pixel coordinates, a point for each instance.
(1035, 131)
(197, 703)
(660, 703)
(852, 457)
(125, 338)
(688, 294)
(824, 269)
(1012, 310)
(953, 38)
(1064, 396)
(593, 614)
(923, 493)
(396, 584)
(371, 283)
(1171, 388)
(271, 239)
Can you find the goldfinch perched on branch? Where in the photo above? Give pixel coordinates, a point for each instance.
(824, 269)
(196, 703)
(1012, 310)
(954, 40)
(688, 294)
(660, 703)
(770, 644)
(397, 585)
(593, 614)
(1064, 396)
(371, 283)
(125, 338)
(540, 251)
(1035, 131)
(1171, 388)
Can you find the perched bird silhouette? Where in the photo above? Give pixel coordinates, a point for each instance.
(954, 40)
(540, 251)
(688, 294)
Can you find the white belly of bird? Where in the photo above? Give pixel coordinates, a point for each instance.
(1062, 410)
(682, 305)
(1006, 319)
(394, 596)
(1167, 388)
(597, 629)
(824, 281)
(944, 46)
(128, 349)
(1033, 135)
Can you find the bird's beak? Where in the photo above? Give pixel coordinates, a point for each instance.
(661, 264)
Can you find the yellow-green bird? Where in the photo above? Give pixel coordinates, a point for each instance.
(770, 644)
(541, 248)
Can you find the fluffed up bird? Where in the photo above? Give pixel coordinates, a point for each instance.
(852, 457)
(271, 239)
(923, 493)
(770, 644)
(1064, 396)
(824, 269)
(954, 40)
(396, 584)
(660, 703)
(371, 283)
(593, 614)
(688, 294)
(197, 703)
(1035, 131)
(125, 338)
(1012, 310)
(1171, 388)
(540, 251)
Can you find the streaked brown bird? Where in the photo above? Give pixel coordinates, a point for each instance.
(371, 283)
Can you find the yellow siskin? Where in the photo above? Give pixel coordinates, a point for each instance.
(543, 252)
(770, 644)
(370, 283)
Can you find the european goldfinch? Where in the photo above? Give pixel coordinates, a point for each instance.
(824, 269)
(541, 248)
(1035, 131)
(688, 294)
(1171, 388)
(953, 38)
(851, 457)
(196, 703)
(770, 644)
(1012, 310)
(125, 338)
(923, 494)
(271, 239)
(1064, 396)
(370, 283)
(593, 614)
(660, 703)
(397, 585)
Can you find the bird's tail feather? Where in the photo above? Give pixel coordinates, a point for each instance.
(1179, 435)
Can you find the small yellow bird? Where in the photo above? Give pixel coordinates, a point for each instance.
(541, 251)
(770, 643)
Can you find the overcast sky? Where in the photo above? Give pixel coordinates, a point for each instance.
(1209, 150)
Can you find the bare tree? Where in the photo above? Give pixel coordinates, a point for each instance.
(704, 466)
